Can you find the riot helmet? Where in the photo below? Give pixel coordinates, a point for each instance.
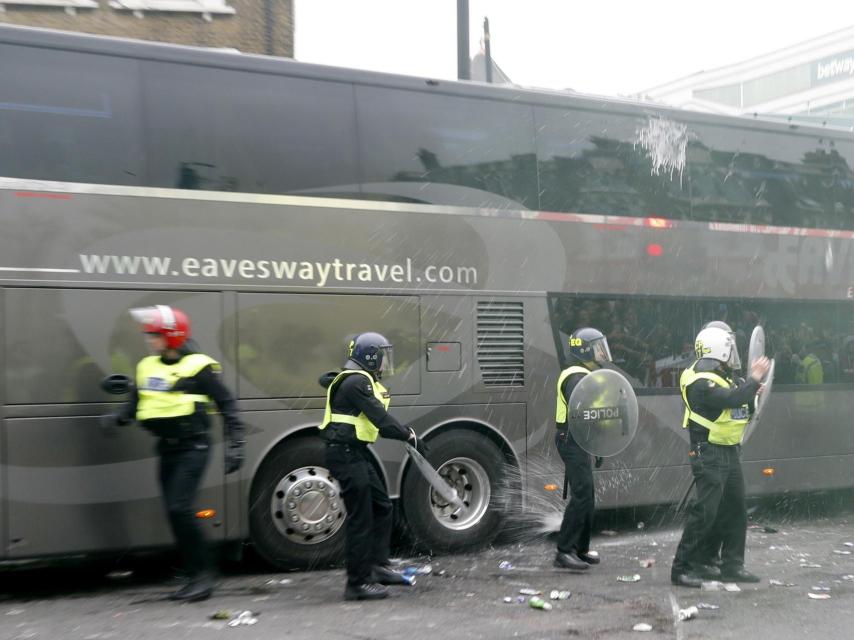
(717, 344)
(589, 346)
(372, 352)
(720, 324)
(173, 324)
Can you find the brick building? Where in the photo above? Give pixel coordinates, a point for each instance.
(252, 26)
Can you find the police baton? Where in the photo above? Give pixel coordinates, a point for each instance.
(433, 478)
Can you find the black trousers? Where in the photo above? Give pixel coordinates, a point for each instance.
(717, 519)
(369, 510)
(181, 467)
(578, 518)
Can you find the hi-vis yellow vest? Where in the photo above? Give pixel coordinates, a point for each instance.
(729, 427)
(365, 429)
(560, 411)
(155, 379)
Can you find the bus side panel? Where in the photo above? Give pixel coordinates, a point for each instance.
(72, 485)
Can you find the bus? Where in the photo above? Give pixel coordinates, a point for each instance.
(285, 206)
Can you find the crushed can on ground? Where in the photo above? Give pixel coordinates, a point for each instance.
(243, 618)
(642, 626)
(688, 613)
(633, 578)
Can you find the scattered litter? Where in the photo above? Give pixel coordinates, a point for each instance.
(688, 614)
(14, 612)
(848, 576)
(810, 565)
(780, 583)
(444, 574)
(560, 595)
(642, 626)
(243, 618)
(222, 614)
(470, 594)
(842, 552)
(818, 588)
(536, 602)
(819, 596)
(278, 583)
(505, 564)
(635, 578)
(508, 599)
(706, 605)
(646, 563)
(711, 585)
(848, 544)
(653, 544)
(530, 592)
(731, 586)
(520, 599)
(768, 529)
(423, 570)
(119, 575)
(641, 525)
(608, 532)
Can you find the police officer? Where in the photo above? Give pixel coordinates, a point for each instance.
(356, 415)
(173, 392)
(716, 413)
(588, 350)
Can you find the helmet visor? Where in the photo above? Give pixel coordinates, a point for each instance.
(387, 364)
(601, 352)
(154, 318)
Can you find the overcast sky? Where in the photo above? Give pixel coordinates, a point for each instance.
(606, 47)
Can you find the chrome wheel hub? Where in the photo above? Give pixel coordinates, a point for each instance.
(306, 506)
(471, 482)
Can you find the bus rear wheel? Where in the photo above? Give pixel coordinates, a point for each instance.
(474, 466)
(296, 512)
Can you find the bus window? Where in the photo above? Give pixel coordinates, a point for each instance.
(284, 342)
(651, 340)
(446, 150)
(224, 130)
(588, 163)
(69, 116)
(759, 177)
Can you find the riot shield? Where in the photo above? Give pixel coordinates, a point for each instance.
(603, 413)
(757, 346)
(755, 351)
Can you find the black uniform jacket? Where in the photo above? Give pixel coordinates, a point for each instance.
(352, 396)
(709, 399)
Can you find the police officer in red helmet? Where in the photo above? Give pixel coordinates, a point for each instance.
(175, 387)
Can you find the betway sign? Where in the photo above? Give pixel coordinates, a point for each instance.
(833, 69)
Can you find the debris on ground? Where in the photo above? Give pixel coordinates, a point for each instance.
(278, 583)
(819, 588)
(842, 552)
(634, 578)
(560, 595)
(505, 564)
(810, 565)
(711, 585)
(646, 563)
(222, 614)
(688, 614)
(731, 586)
(641, 525)
(530, 592)
(416, 570)
(819, 596)
(243, 618)
(848, 544)
(779, 583)
(706, 605)
(608, 532)
(14, 612)
(508, 599)
(642, 626)
(536, 602)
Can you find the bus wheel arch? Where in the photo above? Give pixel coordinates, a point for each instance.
(474, 458)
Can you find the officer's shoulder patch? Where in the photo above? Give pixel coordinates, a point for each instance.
(369, 388)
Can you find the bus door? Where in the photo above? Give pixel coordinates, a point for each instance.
(72, 484)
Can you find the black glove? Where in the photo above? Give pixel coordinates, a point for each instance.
(233, 456)
(115, 419)
(420, 446)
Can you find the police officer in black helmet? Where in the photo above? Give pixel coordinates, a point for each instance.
(356, 415)
(588, 350)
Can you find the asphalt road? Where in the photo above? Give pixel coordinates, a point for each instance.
(464, 595)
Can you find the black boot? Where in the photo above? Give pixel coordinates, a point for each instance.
(570, 561)
(739, 574)
(384, 575)
(588, 558)
(365, 591)
(706, 571)
(199, 587)
(686, 580)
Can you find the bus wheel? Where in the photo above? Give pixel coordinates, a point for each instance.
(474, 466)
(296, 512)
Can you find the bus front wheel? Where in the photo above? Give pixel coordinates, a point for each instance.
(474, 466)
(296, 512)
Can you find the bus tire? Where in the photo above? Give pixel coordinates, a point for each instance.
(476, 467)
(296, 513)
